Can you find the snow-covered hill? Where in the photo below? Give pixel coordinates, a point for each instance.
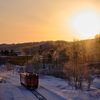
(50, 87)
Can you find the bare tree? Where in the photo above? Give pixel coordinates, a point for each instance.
(76, 70)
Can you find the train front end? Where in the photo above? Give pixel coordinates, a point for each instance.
(31, 80)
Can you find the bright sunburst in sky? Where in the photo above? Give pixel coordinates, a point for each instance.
(42, 20)
(86, 23)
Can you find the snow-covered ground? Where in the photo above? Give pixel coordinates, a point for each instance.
(50, 87)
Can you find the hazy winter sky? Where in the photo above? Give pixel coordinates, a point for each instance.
(42, 20)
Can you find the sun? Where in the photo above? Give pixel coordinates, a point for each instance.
(86, 24)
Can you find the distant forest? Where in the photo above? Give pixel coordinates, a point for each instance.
(84, 50)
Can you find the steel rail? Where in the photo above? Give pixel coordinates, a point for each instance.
(38, 95)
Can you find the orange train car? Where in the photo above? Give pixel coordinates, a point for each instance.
(30, 80)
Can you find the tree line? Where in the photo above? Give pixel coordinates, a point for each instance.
(8, 53)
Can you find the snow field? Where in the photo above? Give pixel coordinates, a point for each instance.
(50, 87)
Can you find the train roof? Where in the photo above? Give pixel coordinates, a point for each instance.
(28, 73)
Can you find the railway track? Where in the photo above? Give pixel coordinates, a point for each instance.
(34, 92)
(38, 95)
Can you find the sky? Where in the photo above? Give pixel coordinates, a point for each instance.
(43, 20)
